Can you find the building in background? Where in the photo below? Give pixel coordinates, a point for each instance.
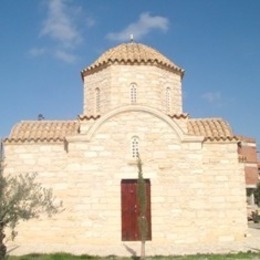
(248, 156)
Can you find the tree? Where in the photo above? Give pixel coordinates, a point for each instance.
(21, 198)
(142, 201)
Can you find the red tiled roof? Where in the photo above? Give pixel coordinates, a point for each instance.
(42, 131)
(85, 117)
(132, 53)
(179, 116)
(213, 129)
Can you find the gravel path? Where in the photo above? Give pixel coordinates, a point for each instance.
(252, 242)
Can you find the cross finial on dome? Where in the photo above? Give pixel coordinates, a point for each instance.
(131, 37)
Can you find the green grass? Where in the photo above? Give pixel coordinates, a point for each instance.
(64, 256)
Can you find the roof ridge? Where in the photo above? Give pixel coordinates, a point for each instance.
(207, 118)
(48, 120)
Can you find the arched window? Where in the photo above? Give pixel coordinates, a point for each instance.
(97, 100)
(133, 91)
(168, 99)
(135, 147)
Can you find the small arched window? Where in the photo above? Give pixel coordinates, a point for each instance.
(133, 91)
(97, 100)
(168, 99)
(135, 147)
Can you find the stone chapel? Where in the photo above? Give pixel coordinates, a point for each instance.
(132, 107)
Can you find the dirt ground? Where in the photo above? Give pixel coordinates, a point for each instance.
(252, 241)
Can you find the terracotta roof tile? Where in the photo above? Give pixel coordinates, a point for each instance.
(179, 116)
(85, 117)
(132, 53)
(42, 131)
(211, 128)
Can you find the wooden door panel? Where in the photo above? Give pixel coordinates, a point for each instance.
(130, 210)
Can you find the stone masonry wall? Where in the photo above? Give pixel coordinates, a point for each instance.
(101, 80)
(114, 84)
(197, 190)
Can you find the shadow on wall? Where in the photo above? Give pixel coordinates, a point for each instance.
(132, 252)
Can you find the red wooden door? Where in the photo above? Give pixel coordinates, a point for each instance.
(130, 210)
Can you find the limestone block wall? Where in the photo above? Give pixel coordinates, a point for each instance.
(226, 187)
(114, 84)
(182, 123)
(102, 81)
(48, 160)
(197, 190)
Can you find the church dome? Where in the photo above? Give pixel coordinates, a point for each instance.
(132, 54)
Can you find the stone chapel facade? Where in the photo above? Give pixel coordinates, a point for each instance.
(132, 106)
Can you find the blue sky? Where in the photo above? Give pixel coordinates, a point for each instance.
(45, 44)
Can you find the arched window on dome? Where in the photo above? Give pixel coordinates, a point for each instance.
(168, 99)
(135, 147)
(97, 100)
(133, 92)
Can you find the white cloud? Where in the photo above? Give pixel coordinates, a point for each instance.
(142, 27)
(212, 97)
(90, 22)
(65, 56)
(35, 52)
(59, 24)
(61, 28)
